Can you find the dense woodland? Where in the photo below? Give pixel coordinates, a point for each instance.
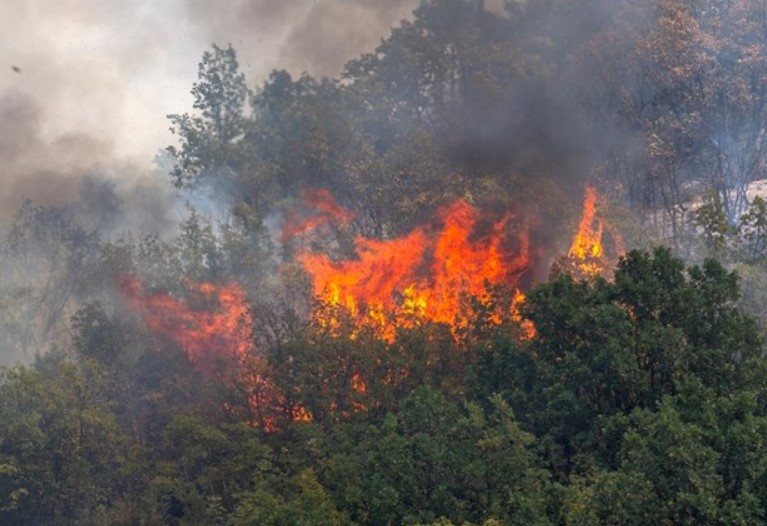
(641, 398)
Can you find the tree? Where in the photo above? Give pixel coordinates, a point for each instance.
(307, 504)
(97, 335)
(201, 473)
(60, 446)
(48, 259)
(606, 349)
(208, 149)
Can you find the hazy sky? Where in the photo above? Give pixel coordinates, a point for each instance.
(98, 76)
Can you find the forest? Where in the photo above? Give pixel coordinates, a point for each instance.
(508, 268)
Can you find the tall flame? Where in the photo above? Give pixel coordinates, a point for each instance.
(587, 253)
(426, 274)
(587, 242)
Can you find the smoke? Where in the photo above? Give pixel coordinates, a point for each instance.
(85, 85)
(317, 37)
(35, 166)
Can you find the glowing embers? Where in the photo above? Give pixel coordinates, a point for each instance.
(211, 324)
(426, 275)
(589, 256)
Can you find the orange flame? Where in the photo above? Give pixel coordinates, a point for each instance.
(587, 241)
(587, 251)
(318, 209)
(425, 274)
(211, 326)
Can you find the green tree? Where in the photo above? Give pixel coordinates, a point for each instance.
(605, 349)
(97, 335)
(201, 472)
(718, 234)
(208, 149)
(60, 446)
(306, 504)
(753, 231)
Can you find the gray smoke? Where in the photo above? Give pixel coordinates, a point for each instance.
(85, 85)
(318, 37)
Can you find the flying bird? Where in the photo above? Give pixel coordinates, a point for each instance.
(17, 69)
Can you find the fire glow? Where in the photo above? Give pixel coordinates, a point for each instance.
(212, 325)
(317, 210)
(587, 250)
(427, 274)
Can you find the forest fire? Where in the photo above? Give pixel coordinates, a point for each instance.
(211, 326)
(430, 273)
(427, 274)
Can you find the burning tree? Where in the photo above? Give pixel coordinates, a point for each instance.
(589, 256)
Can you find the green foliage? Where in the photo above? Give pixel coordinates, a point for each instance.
(306, 505)
(439, 458)
(607, 349)
(753, 231)
(97, 336)
(60, 446)
(717, 231)
(208, 139)
(638, 399)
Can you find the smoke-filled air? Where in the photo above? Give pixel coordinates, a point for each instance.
(382, 263)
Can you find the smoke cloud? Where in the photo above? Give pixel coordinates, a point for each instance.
(85, 85)
(318, 37)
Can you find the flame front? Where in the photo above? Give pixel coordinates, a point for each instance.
(426, 274)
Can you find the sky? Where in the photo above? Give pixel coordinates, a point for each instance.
(97, 77)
